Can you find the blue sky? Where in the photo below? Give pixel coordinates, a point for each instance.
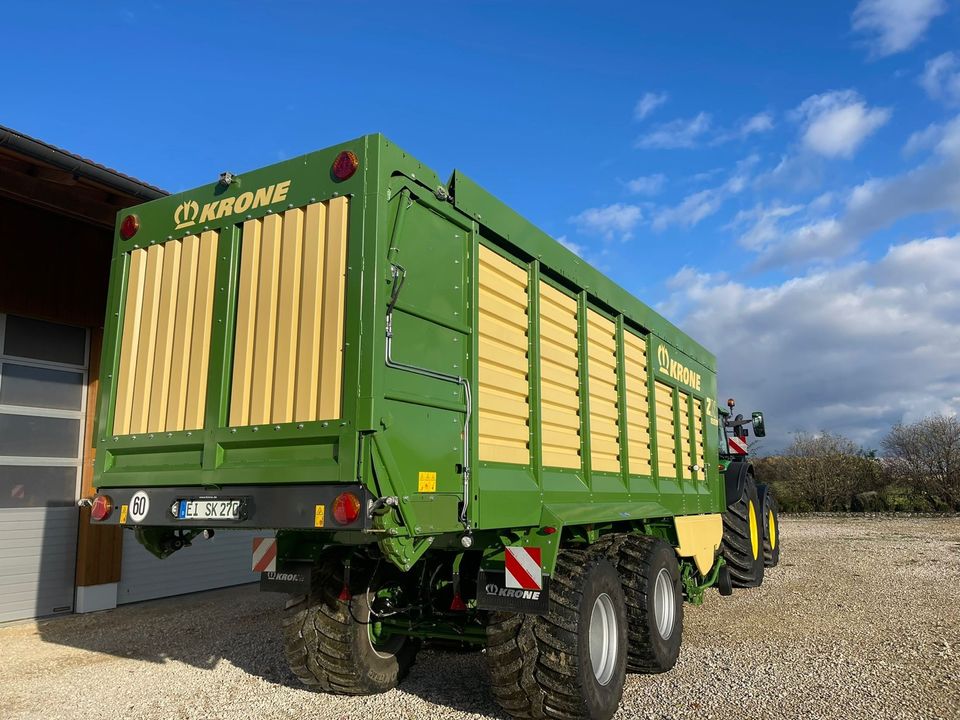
(781, 179)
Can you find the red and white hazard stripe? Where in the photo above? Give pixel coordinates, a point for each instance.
(523, 568)
(264, 554)
(736, 445)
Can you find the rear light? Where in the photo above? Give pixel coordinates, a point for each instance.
(346, 508)
(129, 226)
(345, 165)
(101, 508)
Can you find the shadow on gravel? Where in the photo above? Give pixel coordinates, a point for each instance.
(241, 626)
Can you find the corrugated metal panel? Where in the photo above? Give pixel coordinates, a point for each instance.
(638, 406)
(604, 413)
(222, 561)
(699, 438)
(666, 431)
(290, 316)
(686, 470)
(38, 551)
(503, 403)
(559, 379)
(165, 345)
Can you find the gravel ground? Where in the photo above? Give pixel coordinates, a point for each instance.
(860, 620)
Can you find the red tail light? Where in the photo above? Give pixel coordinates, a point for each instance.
(129, 226)
(345, 165)
(101, 508)
(346, 508)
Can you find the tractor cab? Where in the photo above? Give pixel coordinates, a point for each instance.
(734, 431)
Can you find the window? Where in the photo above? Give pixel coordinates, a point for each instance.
(43, 379)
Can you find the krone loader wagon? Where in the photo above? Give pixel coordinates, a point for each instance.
(450, 427)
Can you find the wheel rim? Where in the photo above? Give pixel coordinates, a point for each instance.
(754, 535)
(603, 638)
(384, 645)
(664, 604)
(773, 530)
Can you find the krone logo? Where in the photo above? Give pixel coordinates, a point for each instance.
(186, 214)
(663, 355)
(189, 212)
(678, 371)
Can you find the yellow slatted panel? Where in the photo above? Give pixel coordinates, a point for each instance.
(602, 378)
(129, 342)
(559, 368)
(265, 338)
(143, 378)
(288, 348)
(202, 330)
(687, 457)
(246, 323)
(331, 329)
(166, 323)
(165, 339)
(311, 299)
(699, 438)
(288, 317)
(638, 408)
(503, 405)
(183, 332)
(666, 432)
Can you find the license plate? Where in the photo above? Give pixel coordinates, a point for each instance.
(209, 509)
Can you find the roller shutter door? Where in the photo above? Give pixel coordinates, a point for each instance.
(222, 561)
(43, 381)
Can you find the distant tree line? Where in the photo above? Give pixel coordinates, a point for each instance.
(916, 470)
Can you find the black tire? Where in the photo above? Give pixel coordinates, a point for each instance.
(328, 644)
(639, 560)
(743, 537)
(541, 667)
(771, 526)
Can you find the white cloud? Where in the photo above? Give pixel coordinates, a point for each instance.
(573, 247)
(755, 124)
(609, 222)
(704, 203)
(763, 224)
(933, 186)
(924, 139)
(895, 25)
(677, 133)
(759, 123)
(648, 103)
(836, 123)
(853, 349)
(646, 184)
(941, 78)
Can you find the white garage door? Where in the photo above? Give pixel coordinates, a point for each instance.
(43, 379)
(221, 561)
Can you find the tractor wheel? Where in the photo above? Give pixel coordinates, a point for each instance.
(650, 575)
(771, 526)
(743, 537)
(570, 663)
(331, 644)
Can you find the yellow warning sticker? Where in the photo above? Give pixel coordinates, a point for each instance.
(123, 514)
(318, 516)
(428, 482)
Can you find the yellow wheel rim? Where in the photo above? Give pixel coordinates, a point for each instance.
(773, 530)
(754, 535)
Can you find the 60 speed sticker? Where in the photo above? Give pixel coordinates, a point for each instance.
(139, 506)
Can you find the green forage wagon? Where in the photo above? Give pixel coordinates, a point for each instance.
(450, 426)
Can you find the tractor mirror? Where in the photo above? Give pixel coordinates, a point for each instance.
(758, 427)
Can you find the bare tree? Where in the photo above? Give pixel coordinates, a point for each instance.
(925, 455)
(820, 472)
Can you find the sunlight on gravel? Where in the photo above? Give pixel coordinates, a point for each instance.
(860, 620)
